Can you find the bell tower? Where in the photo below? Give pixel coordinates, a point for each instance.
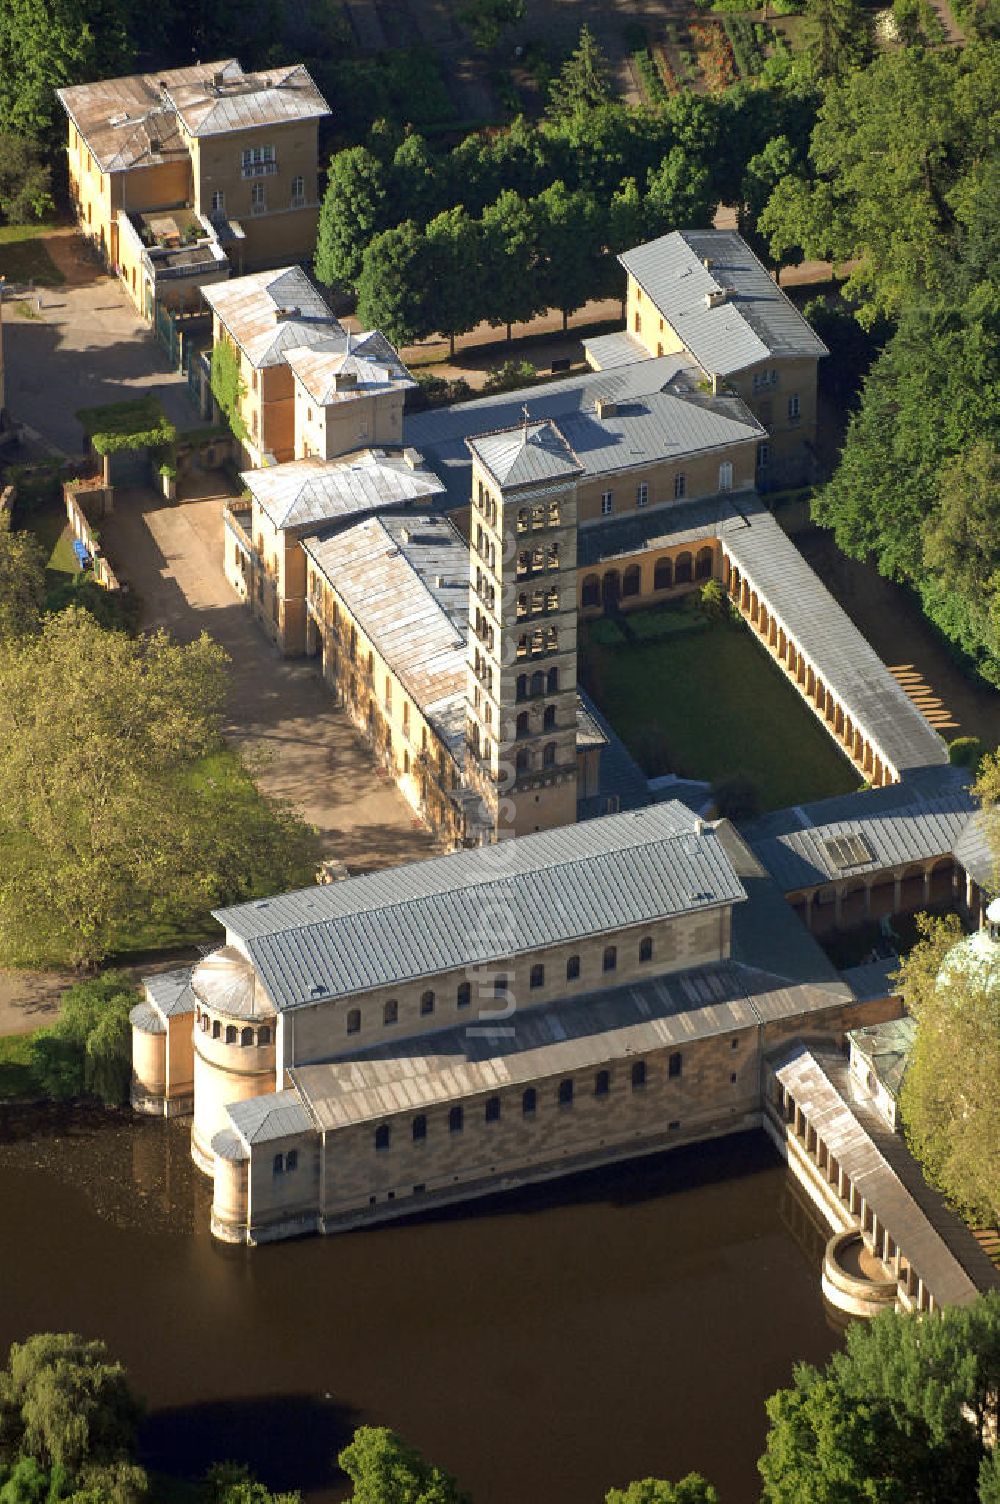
(522, 696)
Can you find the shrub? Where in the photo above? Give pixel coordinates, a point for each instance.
(118, 426)
(965, 752)
(437, 391)
(713, 600)
(509, 376)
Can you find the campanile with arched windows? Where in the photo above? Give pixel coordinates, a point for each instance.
(522, 693)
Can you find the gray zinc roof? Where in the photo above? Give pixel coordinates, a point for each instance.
(405, 580)
(899, 823)
(529, 454)
(974, 849)
(309, 492)
(429, 917)
(665, 1012)
(258, 1120)
(830, 641)
(171, 991)
(658, 414)
(755, 321)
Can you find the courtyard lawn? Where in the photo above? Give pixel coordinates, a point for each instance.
(23, 257)
(704, 700)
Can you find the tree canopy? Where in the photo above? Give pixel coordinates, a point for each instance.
(22, 581)
(690, 1490)
(901, 1417)
(384, 1470)
(68, 1420)
(117, 805)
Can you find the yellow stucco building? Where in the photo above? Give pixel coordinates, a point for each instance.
(180, 177)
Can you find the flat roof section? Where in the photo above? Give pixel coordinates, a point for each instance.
(665, 1012)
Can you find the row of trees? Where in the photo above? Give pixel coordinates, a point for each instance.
(906, 1414)
(902, 182)
(120, 809)
(532, 217)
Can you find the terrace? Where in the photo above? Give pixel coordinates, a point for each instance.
(172, 245)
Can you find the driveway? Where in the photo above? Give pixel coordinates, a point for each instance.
(85, 345)
(172, 555)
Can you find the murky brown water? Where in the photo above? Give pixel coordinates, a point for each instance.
(542, 1347)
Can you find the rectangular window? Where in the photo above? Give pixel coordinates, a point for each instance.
(680, 485)
(218, 202)
(258, 203)
(641, 494)
(298, 192)
(793, 406)
(292, 1159)
(607, 503)
(258, 162)
(763, 456)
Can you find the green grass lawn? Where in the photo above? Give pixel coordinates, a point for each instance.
(48, 524)
(16, 1076)
(707, 703)
(23, 257)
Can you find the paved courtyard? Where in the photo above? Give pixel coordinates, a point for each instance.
(171, 554)
(84, 345)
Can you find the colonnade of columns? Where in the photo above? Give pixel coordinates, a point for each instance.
(913, 1293)
(850, 736)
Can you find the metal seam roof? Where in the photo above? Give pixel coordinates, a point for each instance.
(753, 322)
(398, 933)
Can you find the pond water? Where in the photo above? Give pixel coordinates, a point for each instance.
(543, 1345)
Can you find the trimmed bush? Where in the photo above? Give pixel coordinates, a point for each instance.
(965, 752)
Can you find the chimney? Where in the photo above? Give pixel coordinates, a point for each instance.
(154, 144)
(605, 408)
(345, 381)
(716, 297)
(218, 80)
(413, 458)
(406, 534)
(282, 315)
(699, 826)
(706, 262)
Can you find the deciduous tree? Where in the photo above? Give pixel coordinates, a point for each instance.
(511, 262)
(25, 180)
(901, 1417)
(394, 285)
(693, 1489)
(453, 242)
(22, 581)
(351, 215)
(116, 808)
(384, 1470)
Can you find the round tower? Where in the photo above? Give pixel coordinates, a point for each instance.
(234, 1044)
